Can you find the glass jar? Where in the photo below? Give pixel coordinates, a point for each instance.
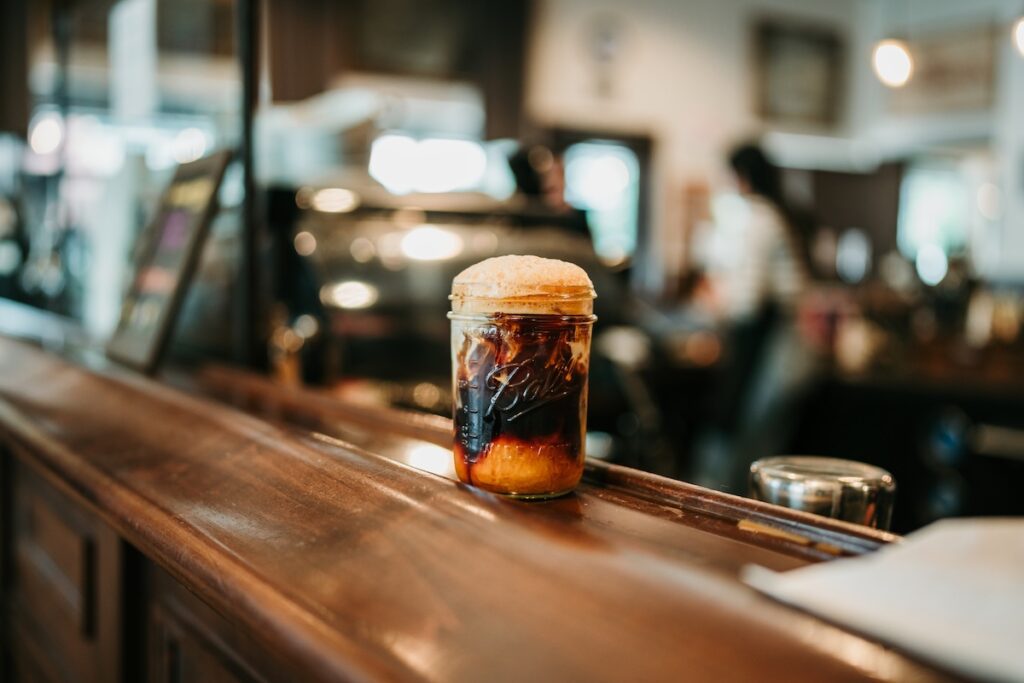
(519, 380)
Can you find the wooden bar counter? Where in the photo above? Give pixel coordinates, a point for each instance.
(151, 533)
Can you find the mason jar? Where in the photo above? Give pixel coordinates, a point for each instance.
(519, 379)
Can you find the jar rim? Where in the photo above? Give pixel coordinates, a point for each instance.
(579, 319)
(485, 291)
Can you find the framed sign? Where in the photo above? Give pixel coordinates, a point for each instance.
(166, 261)
(798, 71)
(954, 71)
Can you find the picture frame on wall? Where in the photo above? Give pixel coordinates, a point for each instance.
(954, 72)
(798, 71)
(166, 262)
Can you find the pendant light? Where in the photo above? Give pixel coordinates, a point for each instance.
(892, 61)
(1018, 36)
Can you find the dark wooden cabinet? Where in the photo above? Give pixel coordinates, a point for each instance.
(179, 652)
(81, 606)
(190, 642)
(62, 583)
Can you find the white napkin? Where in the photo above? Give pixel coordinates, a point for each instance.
(952, 593)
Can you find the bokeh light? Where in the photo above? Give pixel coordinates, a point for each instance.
(350, 294)
(893, 64)
(403, 165)
(47, 133)
(189, 144)
(334, 200)
(430, 243)
(931, 264)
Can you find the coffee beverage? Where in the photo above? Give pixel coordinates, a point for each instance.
(520, 353)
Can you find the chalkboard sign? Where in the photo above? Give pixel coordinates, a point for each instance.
(167, 259)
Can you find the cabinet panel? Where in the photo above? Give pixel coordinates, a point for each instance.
(189, 641)
(29, 662)
(80, 606)
(61, 586)
(55, 565)
(178, 655)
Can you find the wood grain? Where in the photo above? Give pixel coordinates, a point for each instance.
(348, 565)
(394, 433)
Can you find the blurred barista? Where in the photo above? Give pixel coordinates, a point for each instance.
(540, 190)
(758, 269)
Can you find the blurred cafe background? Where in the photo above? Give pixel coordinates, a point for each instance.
(804, 219)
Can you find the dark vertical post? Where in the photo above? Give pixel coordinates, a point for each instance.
(14, 105)
(248, 333)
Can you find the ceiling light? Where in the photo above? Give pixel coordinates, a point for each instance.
(893, 63)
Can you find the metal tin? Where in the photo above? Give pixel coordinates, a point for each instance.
(842, 489)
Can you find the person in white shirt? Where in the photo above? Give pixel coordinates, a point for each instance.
(757, 257)
(757, 271)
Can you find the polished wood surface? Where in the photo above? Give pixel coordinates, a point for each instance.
(397, 435)
(347, 565)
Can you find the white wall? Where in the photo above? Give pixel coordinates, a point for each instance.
(1000, 129)
(1008, 141)
(682, 75)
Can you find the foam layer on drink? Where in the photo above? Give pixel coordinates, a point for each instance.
(527, 285)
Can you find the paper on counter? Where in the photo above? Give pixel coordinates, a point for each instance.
(952, 593)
